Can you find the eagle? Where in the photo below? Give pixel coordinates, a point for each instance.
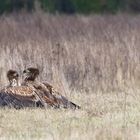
(30, 75)
(15, 96)
(51, 96)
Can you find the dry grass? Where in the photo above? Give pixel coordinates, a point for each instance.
(93, 60)
(84, 53)
(103, 117)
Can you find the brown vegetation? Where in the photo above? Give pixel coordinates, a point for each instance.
(83, 53)
(93, 54)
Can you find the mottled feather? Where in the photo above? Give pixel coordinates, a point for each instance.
(48, 93)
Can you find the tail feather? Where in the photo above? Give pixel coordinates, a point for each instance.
(64, 102)
(74, 106)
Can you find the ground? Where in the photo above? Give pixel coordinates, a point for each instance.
(104, 116)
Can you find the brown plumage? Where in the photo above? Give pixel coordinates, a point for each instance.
(50, 95)
(30, 75)
(62, 100)
(8, 99)
(18, 96)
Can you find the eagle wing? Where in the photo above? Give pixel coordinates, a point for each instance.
(47, 98)
(60, 99)
(19, 97)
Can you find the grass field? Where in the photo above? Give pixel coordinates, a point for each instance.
(93, 60)
(110, 116)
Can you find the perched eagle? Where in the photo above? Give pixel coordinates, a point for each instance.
(18, 96)
(30, 76)
(51, 96)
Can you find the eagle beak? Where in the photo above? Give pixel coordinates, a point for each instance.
(16, 75)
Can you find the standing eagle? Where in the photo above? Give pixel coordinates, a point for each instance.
(51, 97)
(15, 96)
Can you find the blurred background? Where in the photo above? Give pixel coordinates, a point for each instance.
(81, 45)
(71, 6)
